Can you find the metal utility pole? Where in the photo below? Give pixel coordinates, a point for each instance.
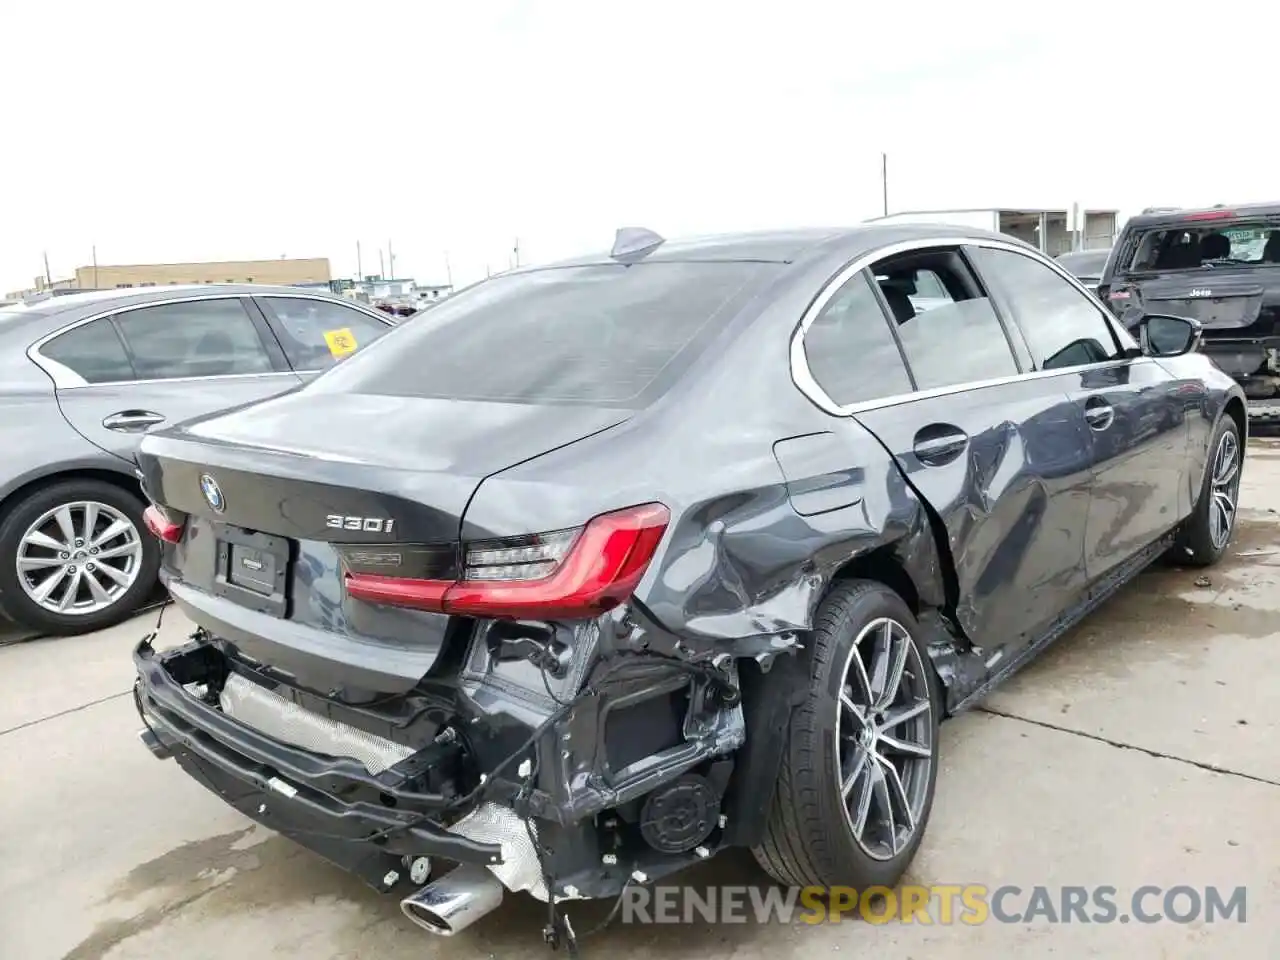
(391, 262)
(516, 250)
(48, 279)
(382, 267)
(95, 266)
(359, 263)
(448, 271)
(884, 181)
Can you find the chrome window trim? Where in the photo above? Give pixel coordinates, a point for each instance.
(220, 376)
(336, 301)
(64, 378)
(803, 377)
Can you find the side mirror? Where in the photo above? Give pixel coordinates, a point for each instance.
(1166, 336)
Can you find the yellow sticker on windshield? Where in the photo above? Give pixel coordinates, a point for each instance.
(341, 342)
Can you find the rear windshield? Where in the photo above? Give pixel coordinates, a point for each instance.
(601, 334)
(1188, 247)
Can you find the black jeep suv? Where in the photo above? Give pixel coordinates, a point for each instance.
(1220, 266)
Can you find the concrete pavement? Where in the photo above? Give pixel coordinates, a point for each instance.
(1139, 750)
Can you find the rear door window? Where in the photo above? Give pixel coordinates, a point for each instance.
(610, 334)
(316, 334)
(198, 338)
(958, 338)
(850, 349)
(92, 350)
(1062, 326)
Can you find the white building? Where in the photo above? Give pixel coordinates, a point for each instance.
(1051, 231)
(384, 288)
(430, 292)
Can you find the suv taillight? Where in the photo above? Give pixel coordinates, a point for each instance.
(1120, 298)
(565, 574)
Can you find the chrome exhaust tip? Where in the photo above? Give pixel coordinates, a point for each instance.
(455, 901)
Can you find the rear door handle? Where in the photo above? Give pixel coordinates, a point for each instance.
(132, 421)
(938, 444)
(1099, 414)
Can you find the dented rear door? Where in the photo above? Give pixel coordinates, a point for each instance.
(1134, 409)
(1006, 468)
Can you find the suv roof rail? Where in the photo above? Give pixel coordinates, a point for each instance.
(1161, 209)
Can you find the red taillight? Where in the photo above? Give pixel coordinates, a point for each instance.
(600, 569)
(1211, 215)
(1122, 299)
(170, 531)
(398, 591)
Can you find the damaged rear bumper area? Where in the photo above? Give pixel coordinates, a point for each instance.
(365, 822)
(628, 781)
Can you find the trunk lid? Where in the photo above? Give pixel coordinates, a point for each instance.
(291, 464)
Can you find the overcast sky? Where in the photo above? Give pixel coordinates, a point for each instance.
(227, 130)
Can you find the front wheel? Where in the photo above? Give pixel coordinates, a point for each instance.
(856, 783)
(75, 556)
(1206, 534)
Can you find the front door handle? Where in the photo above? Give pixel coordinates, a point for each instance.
(132, 421)
(938, 444)
(1099, 414)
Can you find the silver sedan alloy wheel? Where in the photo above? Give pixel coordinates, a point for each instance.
(79, 558)
(884, 739)
(1224, 489)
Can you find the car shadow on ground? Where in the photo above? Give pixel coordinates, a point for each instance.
(1183, 606)
(257, 876)
(11, 632)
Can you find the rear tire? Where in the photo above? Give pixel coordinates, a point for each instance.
(1206, 534)
(859, 751)
(118, 554)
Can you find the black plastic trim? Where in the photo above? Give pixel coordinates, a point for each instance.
(192, 727)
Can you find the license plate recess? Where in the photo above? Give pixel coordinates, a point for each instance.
(253, 570)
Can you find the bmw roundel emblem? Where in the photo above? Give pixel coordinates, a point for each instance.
(212, 493)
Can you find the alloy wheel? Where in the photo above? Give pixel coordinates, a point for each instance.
(884, 739)
(1224, 490)
(79, 558)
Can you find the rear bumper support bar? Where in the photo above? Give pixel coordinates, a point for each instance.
(303, 795)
